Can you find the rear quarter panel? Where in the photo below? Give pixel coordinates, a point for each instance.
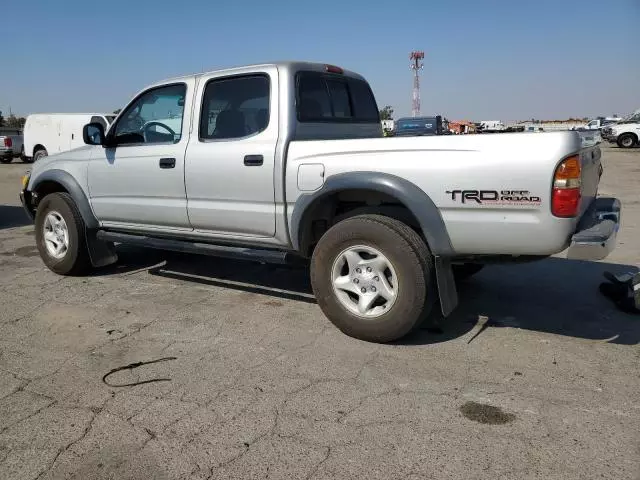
(440, 166)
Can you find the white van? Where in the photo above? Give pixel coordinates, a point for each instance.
(50, 133)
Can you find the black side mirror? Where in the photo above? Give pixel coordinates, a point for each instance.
(93, 134)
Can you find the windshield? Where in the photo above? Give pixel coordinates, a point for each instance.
(633, 118)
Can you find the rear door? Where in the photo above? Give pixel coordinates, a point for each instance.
(231, 156)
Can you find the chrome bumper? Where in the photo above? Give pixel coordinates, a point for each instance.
(596, 235)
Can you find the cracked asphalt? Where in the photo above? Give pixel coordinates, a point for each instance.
(535, 376)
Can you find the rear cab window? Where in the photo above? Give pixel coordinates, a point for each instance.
(334, 98)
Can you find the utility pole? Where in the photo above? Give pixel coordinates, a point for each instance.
(417, 64)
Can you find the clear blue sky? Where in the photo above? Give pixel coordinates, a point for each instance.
(485, 60)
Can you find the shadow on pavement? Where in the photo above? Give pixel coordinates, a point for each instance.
(12, 216)
(555, 295)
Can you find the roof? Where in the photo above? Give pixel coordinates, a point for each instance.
(285, 65)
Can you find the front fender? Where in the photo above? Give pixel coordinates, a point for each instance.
(71, 185)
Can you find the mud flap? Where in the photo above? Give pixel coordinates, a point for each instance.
(101, 253)
(447, 290)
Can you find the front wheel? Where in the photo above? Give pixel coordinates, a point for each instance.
(627, 140)
(60, 235)
(372, 277)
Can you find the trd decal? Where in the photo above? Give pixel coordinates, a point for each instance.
(494, 197)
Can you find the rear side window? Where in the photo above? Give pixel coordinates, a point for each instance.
(334, 99)
(235, 107)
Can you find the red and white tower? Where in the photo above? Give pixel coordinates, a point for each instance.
(416, 65)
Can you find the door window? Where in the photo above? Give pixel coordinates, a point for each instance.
(154, 117)
(235, 107)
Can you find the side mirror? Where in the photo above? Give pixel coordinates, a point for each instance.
(93, 134)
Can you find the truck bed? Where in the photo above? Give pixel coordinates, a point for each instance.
(444, 167)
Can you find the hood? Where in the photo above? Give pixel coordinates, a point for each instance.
(77, 154)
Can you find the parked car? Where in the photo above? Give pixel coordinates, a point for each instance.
(11, 144)
(266, 164)
(626, 133)
(49, 133)
(419, 126)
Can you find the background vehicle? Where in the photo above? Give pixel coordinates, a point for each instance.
(489, 126)
(598, 123)
(11, 144)
(287, 160)
(419, 126)
(49, 133)
(626, 133)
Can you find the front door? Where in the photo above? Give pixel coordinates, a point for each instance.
(139, 182)
(230, 159)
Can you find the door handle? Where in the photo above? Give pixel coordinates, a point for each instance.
(167, 162)
(253, 160)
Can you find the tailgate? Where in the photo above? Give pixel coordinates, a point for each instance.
(591, 171)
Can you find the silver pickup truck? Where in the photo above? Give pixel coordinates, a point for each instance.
(287, 161)
(11, 144)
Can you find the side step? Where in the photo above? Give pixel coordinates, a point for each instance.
(238, 253)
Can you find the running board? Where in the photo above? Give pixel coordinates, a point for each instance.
(239, 253)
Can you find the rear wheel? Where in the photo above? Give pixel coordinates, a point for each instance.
(627, 140)
(6, 160)
(60, 235)
(372, 277)
(38, 154)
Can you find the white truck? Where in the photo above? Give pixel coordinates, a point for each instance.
(626, 133)
(50, 133)
(286, 161)
(11, 144)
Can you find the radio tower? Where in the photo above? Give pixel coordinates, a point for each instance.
(416, 65)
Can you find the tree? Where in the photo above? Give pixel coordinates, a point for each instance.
(386, 113)
(1, 119)
(15, 122)
(117, 111)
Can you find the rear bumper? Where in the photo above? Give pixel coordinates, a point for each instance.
(596, 235)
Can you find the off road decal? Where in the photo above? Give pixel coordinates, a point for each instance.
(495, 197)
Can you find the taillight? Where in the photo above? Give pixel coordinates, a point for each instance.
(565, 199)
(8, 142)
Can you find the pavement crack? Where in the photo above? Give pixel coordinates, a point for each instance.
(319, 464)
(36, 412)
(71, 444)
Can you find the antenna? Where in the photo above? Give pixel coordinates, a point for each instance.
(416, 65)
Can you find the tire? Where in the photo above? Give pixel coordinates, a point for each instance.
(412, 279)
(6, 160)
(464, 271)
(74, 260)
(627, 140)
(38, 154)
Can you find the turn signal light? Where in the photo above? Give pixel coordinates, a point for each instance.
(567, 188)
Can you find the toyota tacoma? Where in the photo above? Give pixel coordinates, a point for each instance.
(288, 161)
